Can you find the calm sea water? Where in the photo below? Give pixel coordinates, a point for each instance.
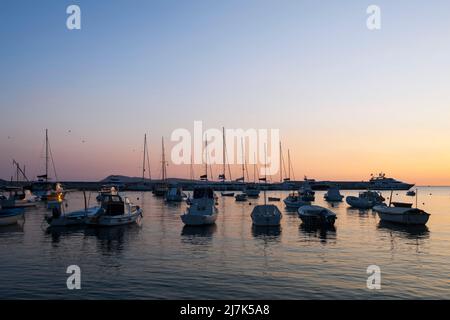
(161, 259)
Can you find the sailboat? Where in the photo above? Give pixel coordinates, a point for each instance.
(144, 185)
(222, 176)
(266, 214)
(44, 188)
(202, 208)
(161, 188)
(252, 190)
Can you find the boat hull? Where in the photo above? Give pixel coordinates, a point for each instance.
(315, 215)
(110, 221)
(266, 216)
(198, 220)
(400, 215)
(72, 219)
(10, 216)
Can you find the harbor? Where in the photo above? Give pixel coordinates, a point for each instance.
(160, 258)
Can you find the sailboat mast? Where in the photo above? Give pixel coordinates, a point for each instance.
(281, 165)
(289, 165)
(254, 167)
(206, 157)
(163, 168)
(243, 161)
(46, 155)
(223, 153)
(143, 161)
(265, 174)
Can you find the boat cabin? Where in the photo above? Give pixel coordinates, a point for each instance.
(200, 193)
(113, 205)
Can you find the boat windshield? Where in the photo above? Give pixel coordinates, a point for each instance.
(203, 193)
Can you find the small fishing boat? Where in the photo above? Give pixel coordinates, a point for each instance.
(306, 192)
(252, 190)
(316, 215)
(365, 200)
(175, 194)
(240, 197)
(10, 216)
(273, 199)
(294, 200)
(227, 194)
(202, 210)
(401, 212)
(114, 211)
(411, 193)
(266, 215)
(17, 198)
(333, 194)
(61, 219)
(403, 215)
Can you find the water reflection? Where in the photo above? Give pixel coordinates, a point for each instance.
(361, 212)
(409, 232)
(323, 233)
(199, 231)
(268, 233)
(198, 235)
(15, 228)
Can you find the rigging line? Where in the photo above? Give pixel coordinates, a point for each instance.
(53, 162)
(148, 163)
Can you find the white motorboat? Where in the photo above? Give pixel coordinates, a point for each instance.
(175, 194)
(316, 215)
(402, 214)
(365, 200)
(202, 209)
(266, 215)
(17, 198)
(10, 216)
(114, 211)
(333, 194)
(295, 201)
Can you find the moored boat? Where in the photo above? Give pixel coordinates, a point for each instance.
(266, 215)
(294, 200)
(202, 209)
(402, 215)
(240, 197)
(175, 194)
(333, 194)
(316, 215)
(10, 216)
(365, 200)
(114, 211)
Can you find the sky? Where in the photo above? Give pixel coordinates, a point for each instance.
(348, 101)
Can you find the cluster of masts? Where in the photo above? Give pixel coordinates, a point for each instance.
(285, 169)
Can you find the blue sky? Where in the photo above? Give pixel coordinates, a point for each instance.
(371, 99)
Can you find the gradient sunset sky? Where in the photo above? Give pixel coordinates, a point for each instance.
(348, 101)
